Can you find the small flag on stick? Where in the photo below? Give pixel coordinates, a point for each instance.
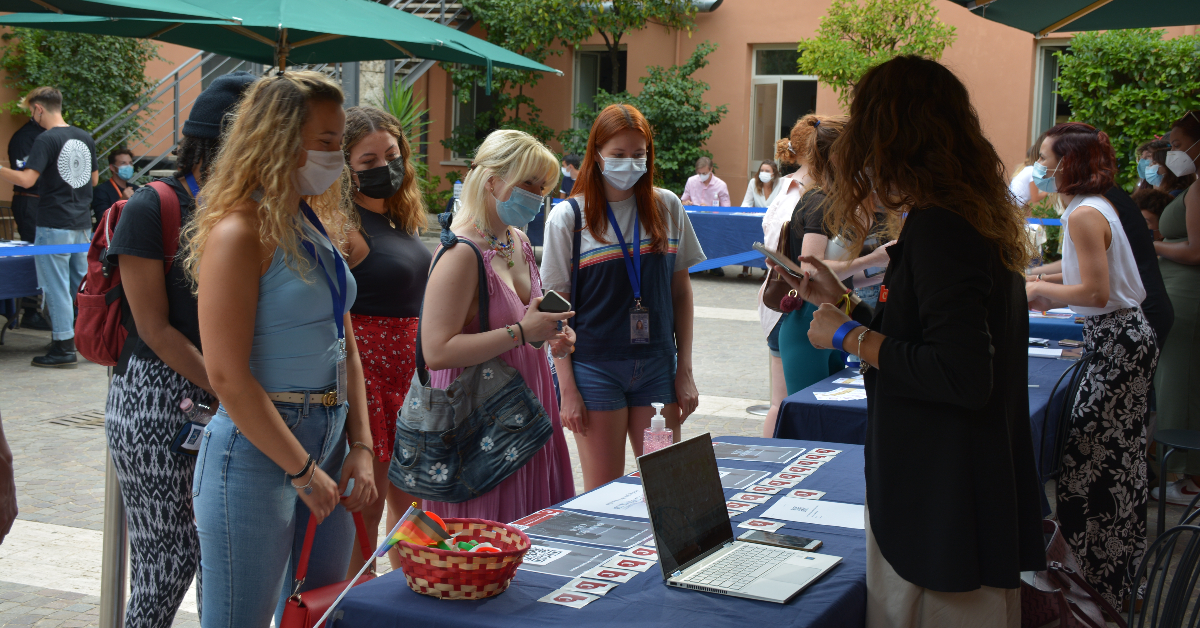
(416, 527)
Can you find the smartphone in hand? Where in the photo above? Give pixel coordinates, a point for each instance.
(551, 302)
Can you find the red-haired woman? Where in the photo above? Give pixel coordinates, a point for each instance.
(1102, 490)
(635, 247)
(1177, 381)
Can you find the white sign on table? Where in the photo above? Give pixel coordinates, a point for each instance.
(613, 499)
(818, 512)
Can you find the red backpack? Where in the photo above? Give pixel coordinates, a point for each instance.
(103, 324)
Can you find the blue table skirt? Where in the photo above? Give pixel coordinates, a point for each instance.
(722, 233)
(837, 600)
(18, 278)
(1055, 328)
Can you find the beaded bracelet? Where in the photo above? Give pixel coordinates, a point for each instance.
(511, 334)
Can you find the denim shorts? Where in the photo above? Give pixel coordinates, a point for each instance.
(773, 338)
(626, 383)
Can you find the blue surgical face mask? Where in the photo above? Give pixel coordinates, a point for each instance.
(1042, 181)
(125, 172)
(520, 207)
(1154, 175)
(1141, 167)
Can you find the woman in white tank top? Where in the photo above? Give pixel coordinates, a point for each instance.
(1105, 452)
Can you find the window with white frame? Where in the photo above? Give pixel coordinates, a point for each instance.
(1049, 108)
(593, 73)
(779, 95)
(465, 113)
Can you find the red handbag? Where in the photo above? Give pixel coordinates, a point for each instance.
(304, 609)
(1059, 596)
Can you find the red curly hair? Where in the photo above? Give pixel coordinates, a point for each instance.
(611, 121)
(1087, 163)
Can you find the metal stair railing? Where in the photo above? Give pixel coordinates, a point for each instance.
(133, 120)
(452, 14)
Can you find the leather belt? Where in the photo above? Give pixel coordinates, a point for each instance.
(327, 398)
(19, 193)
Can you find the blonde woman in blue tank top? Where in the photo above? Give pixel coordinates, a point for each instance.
(274, 296)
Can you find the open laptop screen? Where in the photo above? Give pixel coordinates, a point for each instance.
(685, 501)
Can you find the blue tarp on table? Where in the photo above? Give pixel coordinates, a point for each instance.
(726, 231)
(1055, 328)
(18, 278)
(837, 600)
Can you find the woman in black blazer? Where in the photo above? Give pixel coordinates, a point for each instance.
(953, 513)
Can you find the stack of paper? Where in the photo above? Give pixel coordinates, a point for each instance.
(842, 394)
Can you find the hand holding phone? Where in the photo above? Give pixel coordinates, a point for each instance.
(551, 302)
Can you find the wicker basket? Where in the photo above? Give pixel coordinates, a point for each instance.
(457, 575)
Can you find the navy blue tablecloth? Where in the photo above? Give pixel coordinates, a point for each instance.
(18, 278)
(837, 600)
(1055, 328)
(723, 231)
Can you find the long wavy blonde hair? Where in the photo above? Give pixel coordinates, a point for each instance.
(407, 206)
(514, 156)
(257, 163)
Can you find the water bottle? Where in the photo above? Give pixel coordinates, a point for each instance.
(196, 411)
(657, 435)
(457, 190)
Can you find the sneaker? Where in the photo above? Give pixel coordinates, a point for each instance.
(1179, 493)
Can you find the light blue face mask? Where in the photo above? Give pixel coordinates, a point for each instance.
(1141, 167)
(520, 207)
(125, 172)
(1043, 182)
(1154, 174)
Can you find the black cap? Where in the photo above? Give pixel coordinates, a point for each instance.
(213, 104)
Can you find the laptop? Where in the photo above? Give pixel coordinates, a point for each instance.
(694, 536)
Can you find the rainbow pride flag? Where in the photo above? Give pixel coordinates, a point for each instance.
(415, 527)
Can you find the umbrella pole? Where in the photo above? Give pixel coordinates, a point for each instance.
(281, 50)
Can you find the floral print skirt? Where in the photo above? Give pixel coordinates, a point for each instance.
(1102, 491)
(387, 348)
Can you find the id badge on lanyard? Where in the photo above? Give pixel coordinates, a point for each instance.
(337, 294)
(639, 316)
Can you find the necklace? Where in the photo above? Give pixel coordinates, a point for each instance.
(504, 250)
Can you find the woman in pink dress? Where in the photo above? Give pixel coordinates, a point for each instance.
(504, 188)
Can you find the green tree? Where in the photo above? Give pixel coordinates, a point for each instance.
(529, 28)
(673, 102)
(1131, 84)
(613, 19)
(853, 38)
(97, 75)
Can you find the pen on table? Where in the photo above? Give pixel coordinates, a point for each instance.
(1034, 386)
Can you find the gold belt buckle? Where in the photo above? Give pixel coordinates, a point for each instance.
(329, 398)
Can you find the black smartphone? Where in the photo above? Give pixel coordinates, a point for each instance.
(551, 302)
(781, 540)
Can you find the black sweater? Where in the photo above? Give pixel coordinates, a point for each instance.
(952, 489)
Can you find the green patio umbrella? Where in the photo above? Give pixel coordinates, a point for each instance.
(1042, 17)
(165, 9)
(278, 32)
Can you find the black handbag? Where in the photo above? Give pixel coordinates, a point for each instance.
(457, 443)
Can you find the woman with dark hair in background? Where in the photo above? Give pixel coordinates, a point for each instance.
(164, 367)
(945, 354)
(1161, 177)
(389, 263)
(1151, 203)
(1102, 489)
(635, 248)
(1177, 381)
(764, 187)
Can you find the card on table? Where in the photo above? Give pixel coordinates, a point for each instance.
(733, 513)
(751, 498)
(778, 483)
(591, 587)
(647, 553)
(811, 464)
(789, 476)
(563, 559)
(630, 563)
(799, 469)
(610, 573)
(764, 490)
(739, 506)
(760, 524)
(825, 452)
(806, 494)
(568, 597)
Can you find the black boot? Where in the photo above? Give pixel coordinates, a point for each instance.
(61, 355)
(33, 319)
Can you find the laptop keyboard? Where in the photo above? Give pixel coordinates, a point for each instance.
(740, 567)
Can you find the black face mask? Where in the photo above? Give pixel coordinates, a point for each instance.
(383, 181)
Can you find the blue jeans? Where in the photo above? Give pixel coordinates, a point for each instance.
(607, 386)
(252, 522)
(59, 276)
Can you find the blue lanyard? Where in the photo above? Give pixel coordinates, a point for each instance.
(338, 294)
(632, 267)
(193, 186)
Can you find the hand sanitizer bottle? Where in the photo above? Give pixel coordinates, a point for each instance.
(657, 435)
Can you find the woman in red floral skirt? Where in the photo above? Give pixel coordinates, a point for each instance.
(390, 264)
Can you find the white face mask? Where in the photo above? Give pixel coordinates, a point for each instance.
(320, 171)
(623, 172)
(765, 177)
(566, 173)
(1179, 162)
(704, 177)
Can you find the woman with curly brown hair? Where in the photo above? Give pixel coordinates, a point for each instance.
(389, 263)
(944, 354)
